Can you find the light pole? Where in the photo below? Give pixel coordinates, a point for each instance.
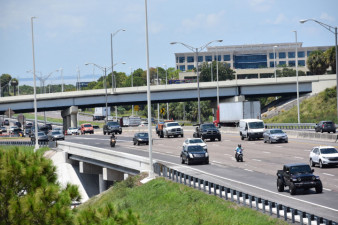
(35, 103)
(113, 84)
(274, 61)
(61, 70)
(196, 51)
(132, 85)
(298, 114)
(166, 82)
(158, 104)
(217, 78)
(151, 169)
(330, 28)
(211, 73)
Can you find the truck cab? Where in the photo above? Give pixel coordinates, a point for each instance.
(251, 129)
(207, 131)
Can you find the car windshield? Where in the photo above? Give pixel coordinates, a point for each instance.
(72, 128)
(143, 135)
(56, 132)
(328, 123)
(277, 132)
(207, 126)
(328, 150)
(256, 125)
(172, 124)
(41, 134)
(113, 124)
(87, 125)
(196, 148)
(193, 141)
(300, 169)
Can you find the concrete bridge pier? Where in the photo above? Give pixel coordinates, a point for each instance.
(69, 117)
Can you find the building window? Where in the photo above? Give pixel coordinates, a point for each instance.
(250, 61)
(301, 62)
(226, 57)
(190, 59)
(191, 67)
(208, 58)
(219, 58)
(176, 59)
(200, 58)
(282, 55)
(292, 63)
(301, 54)
(181, 59)
(291, 54)
(182, 68)
(272, 64)
(282, 62)
(308, 53)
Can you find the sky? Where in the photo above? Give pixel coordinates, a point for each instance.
(69, 34)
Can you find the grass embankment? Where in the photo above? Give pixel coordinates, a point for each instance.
(312, 110)
(164, 202)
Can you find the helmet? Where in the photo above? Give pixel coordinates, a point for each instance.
(239, 145)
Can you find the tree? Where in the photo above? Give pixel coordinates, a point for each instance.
(5, 79)
(29, 191)
(288, 72)
(330, 57)
(316, 63)
(14, 83)
(224, 72)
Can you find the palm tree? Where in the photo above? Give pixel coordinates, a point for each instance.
(330, 56)
(14, 84)
(316, 63)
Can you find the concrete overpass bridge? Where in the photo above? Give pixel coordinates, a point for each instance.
(69, 102)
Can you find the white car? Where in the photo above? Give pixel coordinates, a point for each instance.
(73, 130)
(11, 129)
(143, 124)
(172, 129)
(195, 141)
(323, 155)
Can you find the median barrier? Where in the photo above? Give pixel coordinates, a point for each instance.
(281, 211)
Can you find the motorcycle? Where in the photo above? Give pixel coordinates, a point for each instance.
(112, 141)
(239, 156)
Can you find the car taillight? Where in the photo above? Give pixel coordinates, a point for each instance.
(323, 125)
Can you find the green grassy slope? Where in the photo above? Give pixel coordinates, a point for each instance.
(312, 110)
(164, 202)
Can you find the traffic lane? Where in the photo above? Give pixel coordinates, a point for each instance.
(258, 156)
(258, 184)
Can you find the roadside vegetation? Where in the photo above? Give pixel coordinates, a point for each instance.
(312, 110)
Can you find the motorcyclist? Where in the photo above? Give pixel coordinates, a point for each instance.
(238, 150)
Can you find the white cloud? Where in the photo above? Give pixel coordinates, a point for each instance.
(327, 17)
(204, 21)
(280, 19)
(261, 5)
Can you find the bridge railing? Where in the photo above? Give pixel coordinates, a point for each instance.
(258, 203)
(291, 126)
(51, 144)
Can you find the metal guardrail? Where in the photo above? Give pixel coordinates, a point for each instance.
(291, 126)
(50, 144)
(267, 206)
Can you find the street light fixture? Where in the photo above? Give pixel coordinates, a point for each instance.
(298, 114)
(334, 31)
(113, 84)
(196, 51)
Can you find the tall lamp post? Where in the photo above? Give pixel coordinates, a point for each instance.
(61, 70)
(104, 69)
(334, 31)
(274, 61)
(196, 51)
(113, 84)
(132, 85)
(298, 114)
(35, 103)
(166, 82)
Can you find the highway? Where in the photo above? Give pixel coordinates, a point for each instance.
(256, 175)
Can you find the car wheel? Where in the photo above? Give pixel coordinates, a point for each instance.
(280, 185)
(329, 132)
(321, 165)
(312, 164)
(202, 138)
(138, 143)
(264, 140)
(182, 160)
(321, 130)
(120, 132)
(293, 189)
(319, 187)
(104, 133)
(207, 162)
(334, 131)
(182, 135)
(147, 143)
(270, 141)
(188, 161)
(219, 139)
(212, 139)
(242, 138)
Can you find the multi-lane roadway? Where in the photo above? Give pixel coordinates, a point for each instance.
(256, 175)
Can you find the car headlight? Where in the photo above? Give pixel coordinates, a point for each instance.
(317, 178)
(206, 154)
(294, 179)
(191, 155)
(205, 147)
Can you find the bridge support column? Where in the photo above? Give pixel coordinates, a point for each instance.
(89, 168)
(69, 117)
(102, 183)
(112, 175)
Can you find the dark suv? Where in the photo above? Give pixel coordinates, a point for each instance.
(325, 126)
(112, 127)
(207, 131)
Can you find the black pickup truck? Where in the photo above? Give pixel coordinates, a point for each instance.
(112, 127)
(298, 176)
(207, 131)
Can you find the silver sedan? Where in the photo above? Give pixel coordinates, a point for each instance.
(275, 135)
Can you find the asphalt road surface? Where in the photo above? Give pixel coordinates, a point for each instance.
(256, 175)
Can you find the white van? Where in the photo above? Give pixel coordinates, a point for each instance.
(251, 129)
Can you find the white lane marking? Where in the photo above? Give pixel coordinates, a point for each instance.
(267, 152)
(298, 157)
(328, 174)
(248, 170)
(216, 162)
(227, 154)
(279, 146)
(326, 189)
(259, 188)
(258, 160)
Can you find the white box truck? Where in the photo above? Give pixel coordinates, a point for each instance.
(100, 113)
(230, 113)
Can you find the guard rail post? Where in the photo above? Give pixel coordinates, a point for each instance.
(250, 201)
(293, 215)
(263, 205)
(226, 193)
(277, 210)
(209, 185)
(270, 208)
(220, 191)
(285, 209)
(204, 188)
(256, 200)
(238, 197)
